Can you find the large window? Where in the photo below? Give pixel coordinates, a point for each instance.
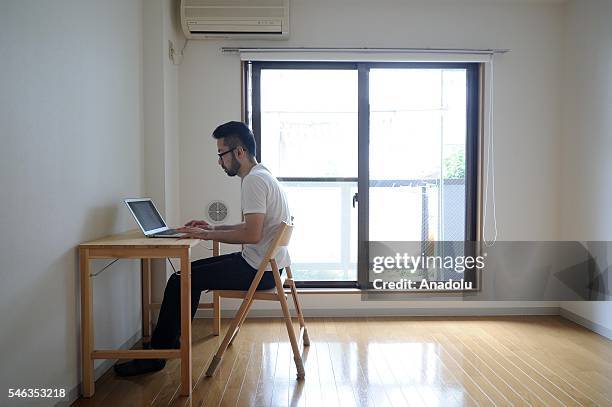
(366, 152)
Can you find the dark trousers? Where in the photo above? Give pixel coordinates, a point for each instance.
(226, 272)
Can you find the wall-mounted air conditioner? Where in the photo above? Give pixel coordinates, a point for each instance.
(251, 19)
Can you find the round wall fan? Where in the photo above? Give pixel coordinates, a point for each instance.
(217, 211)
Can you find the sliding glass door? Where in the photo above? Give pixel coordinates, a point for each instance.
(417, 158)
(368, 152)
(309, 121)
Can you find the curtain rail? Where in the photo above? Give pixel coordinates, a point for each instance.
(372, 50)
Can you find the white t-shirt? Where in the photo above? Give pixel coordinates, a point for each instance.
(262, 193)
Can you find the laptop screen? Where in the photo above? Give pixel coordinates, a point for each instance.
(147, 215)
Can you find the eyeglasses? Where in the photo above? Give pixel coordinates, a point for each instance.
(225, 152)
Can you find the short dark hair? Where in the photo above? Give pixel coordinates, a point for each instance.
(237, 134)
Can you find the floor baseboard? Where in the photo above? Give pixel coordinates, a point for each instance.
(587, 323)
(387, 312)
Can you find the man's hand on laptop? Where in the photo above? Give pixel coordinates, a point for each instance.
(190, 232)
(199, 224)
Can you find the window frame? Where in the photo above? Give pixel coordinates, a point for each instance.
(252, 111)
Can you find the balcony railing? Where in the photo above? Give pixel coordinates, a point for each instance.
(324, 244)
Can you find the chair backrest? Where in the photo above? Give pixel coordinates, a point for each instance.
(283, 235)
(286, 236)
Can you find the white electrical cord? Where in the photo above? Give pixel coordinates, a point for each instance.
(184, 46)
(177, 57)
(490, 167)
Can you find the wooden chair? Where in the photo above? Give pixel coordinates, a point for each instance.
(277, 293)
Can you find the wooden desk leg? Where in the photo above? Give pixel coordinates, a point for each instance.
(216, 313)
(87, 338)
(216, 299)
(145, 267)
(185, 324)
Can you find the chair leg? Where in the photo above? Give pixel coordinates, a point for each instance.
(237, 329)
(298, 308)
(234, 326)
(216, 313)
(294, 344)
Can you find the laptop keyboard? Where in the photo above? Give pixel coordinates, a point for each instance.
(168, 232)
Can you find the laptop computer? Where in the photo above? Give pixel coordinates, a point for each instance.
(148, 218)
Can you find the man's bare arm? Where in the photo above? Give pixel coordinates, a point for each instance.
(237, 226)
(202, 224)
(251, 232)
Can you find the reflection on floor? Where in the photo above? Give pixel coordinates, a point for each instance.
(394, 361)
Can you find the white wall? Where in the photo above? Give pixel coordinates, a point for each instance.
(171, 106)
(71, 148)
(527, 105)
(587, 143)
(160, 80)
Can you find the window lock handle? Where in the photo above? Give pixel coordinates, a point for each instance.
(355, 199)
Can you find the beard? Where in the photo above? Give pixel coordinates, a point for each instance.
(232, 170)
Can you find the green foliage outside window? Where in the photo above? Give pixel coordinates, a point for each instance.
(454, 165)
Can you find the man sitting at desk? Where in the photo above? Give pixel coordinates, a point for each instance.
(264, 206)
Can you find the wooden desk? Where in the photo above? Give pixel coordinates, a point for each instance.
(133, 245)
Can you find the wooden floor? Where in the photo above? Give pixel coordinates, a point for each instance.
(502, 361)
